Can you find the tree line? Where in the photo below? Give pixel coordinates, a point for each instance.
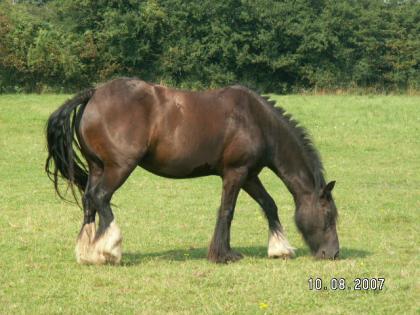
(276, 46)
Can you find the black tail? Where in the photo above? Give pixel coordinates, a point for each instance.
(62, 160)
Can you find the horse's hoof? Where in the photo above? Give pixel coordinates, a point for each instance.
(279, 247)
(284, 255)
(281, 252)
(233, 256)
(107, 249)
(228, 257)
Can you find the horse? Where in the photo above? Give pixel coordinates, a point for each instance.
(231, 132)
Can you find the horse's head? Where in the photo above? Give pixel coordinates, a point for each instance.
(316, 219)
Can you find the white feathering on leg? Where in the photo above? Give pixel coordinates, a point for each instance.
(106, 249)
(278, 246)
(84, 243)
(109, 244)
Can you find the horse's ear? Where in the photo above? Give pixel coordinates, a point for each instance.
(328, 189)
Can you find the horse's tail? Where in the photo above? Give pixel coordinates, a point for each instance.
(62, 160)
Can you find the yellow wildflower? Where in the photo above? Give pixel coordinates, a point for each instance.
(263, 306)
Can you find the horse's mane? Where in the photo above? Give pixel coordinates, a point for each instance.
(309, 150)
(306, 142)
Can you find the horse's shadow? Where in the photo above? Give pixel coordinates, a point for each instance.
(256, 252)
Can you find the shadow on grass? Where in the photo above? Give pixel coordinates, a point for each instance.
(136, 258)
(345, 253)
(351, 253)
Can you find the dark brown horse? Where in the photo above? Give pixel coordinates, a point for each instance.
(230, 132)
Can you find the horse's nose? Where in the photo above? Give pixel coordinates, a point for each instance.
(337, 254)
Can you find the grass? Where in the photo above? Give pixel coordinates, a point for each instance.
(369, 144)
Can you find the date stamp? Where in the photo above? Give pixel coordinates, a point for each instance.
(341, 284)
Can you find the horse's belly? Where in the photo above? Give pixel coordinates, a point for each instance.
(188, 150)
(178, 169)
(172, 163)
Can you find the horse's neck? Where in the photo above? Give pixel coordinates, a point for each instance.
(290, 164)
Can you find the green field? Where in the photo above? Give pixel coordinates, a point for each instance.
(369, 144)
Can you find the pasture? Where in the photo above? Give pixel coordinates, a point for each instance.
(369, 144)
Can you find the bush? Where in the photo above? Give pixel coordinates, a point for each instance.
(270, 45)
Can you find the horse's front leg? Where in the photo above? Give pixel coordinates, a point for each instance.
(219, 250)
(278, 246)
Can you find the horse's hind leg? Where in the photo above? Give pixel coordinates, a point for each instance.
(87, 232)
(278, 246)
(105, 246)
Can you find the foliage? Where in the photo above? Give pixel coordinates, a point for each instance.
(272, 45)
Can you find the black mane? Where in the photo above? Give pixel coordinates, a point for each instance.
(311, 153)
